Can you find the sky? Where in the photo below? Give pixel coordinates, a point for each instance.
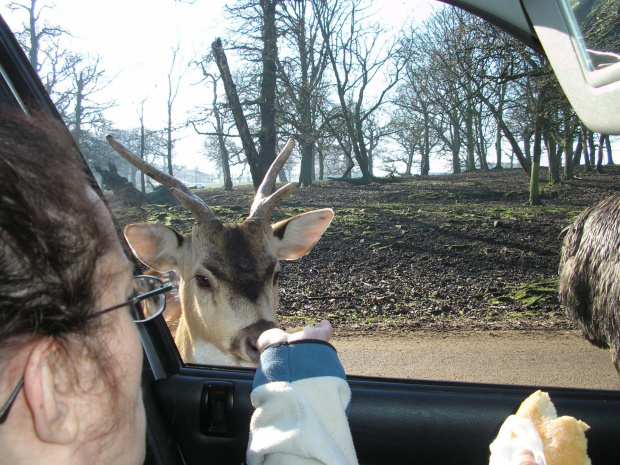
(135, 39)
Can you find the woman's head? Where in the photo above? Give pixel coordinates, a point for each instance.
(49, 240)
(60, 263)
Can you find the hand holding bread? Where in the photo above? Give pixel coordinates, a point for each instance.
(537, 428)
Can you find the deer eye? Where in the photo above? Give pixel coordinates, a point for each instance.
(276, 276)
(203, 282)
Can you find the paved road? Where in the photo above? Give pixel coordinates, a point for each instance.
(532, 358)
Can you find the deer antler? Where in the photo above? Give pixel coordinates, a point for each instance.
(264, 203)
(199, 209)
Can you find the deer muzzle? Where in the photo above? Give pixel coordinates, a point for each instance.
(243, 345)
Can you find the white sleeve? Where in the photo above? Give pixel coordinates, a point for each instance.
(302, 400)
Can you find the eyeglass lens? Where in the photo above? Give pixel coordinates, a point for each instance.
(149, 306)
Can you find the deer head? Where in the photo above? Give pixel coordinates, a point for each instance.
(228, 271)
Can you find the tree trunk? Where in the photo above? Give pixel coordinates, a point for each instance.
(409, 164)
(498, 132)
(569, 171)
(249, 148)
(498, 148)
(578, 150)
(516, 149)
(224, 155)
(142, 150)
(350, 165)
(469, 133)
(359, 149)
(599, 159)
(225, 161)
(321, 162)
(307, 161)
(591, 148)
(586, 147)
(610, 160)
(169, 140)
(455, 146)
(568, 144)
(267, 105)
(534, 176)
(456, 160)
(77, 121)
(482, 150)
(425, 163)
(306, 171)
(554, 159)
(527, 145)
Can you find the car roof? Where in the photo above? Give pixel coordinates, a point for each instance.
(508, 15)
(550, 27)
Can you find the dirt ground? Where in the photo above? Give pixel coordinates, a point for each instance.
(458, 252)
(529, 358)
(441, 253)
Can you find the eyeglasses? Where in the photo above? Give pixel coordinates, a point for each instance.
(148, 302)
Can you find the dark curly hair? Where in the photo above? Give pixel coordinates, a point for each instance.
(49, 241)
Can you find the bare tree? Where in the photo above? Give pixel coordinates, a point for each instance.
(252, 16)
(302, 74)
(234, 103)
(174, 78)
(415, 100)
(218, 129)
(408, 132)
(42, 43)
(358, 54)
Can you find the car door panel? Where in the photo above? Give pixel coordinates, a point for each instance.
(392, 421)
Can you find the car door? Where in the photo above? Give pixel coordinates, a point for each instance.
(200, 414)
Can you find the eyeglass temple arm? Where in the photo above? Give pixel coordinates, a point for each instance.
(152, 293)
(4, 413)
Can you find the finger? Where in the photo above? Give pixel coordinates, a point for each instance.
(324, 324)
(269, 337)
(321, 331)
(327, 327)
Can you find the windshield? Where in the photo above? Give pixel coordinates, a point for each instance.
(446, 149)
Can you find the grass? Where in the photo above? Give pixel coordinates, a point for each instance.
(528, 294)
(459, 220)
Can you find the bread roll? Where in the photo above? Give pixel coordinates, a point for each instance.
(564, 439)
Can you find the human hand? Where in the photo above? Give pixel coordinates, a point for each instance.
(522, 457)
(322, 331)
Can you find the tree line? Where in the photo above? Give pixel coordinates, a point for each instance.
(356, 96)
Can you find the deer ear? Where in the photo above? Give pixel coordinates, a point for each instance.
(157, 246)
(295, 237)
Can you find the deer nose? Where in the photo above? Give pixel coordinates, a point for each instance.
(246, 340)
(250, 348)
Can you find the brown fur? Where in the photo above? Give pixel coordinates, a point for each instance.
(589, 286)
(228, 272)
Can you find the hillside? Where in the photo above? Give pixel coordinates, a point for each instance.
(443, 252)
